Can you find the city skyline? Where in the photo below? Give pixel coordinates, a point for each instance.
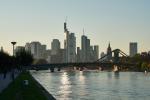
(26, 21)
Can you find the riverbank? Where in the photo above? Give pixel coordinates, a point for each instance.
(18, 91)
(5, 80)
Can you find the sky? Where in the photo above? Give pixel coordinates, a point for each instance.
(116, 21)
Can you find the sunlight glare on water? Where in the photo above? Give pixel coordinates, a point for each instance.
(95, 85)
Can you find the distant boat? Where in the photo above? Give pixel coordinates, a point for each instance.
(116, 68)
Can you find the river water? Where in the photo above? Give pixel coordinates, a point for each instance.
(95, 85)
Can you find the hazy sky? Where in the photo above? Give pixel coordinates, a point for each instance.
(117, 21)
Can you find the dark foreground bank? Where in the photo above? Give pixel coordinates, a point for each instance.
(18, 91)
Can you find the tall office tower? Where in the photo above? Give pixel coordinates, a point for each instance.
(55, 46)
(88, 50)
(109, 53)
(79, 54)
(36, 49)
(91, 54)
(84, 48)
(43, 52)
(66, 43)
(72, 48)
(96, 52)
(133, 49)
(70, 45)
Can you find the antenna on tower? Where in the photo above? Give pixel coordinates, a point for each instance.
(83, 31)
(65, 25)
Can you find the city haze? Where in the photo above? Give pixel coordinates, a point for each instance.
(119, 22)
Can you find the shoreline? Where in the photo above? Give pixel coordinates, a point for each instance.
(43, 90)
(25, 87)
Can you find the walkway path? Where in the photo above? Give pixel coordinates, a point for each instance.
(5, 82)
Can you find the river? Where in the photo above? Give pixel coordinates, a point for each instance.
(95, 85)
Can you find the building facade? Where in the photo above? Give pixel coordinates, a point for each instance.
(55, 47)
(69, 45)
(109, 53)
(133, 48)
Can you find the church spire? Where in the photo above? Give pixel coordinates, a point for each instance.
(109, 52)
(109, 48)
(109, 45)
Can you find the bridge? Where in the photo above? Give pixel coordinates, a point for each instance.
(102, 63)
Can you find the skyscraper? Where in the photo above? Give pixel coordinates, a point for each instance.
(96, 52)
(84, 48)
(36, 49)
(72, 48)
(133, 49)
(55, 46)
(69, 45)
(78, 54)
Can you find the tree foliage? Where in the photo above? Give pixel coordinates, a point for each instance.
(24, 58)
(7, 62)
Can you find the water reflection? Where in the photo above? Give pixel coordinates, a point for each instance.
(84, 85)
(109, 75)
(116, 75)
(65, 88)
(82, 77)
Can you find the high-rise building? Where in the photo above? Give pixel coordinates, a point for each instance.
(36, 49)
(55, 46)
(72, 48)
(92, 58)
(69, 45)
(88, 50)
(133, 49)
(57, 54)
(85, 48)
(96, 52)
(78, 54)
(43, 52)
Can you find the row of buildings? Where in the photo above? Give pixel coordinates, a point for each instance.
(133, 50)
(70, 53)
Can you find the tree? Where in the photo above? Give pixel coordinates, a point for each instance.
(24, 58)
(5, 61)
(144, 66)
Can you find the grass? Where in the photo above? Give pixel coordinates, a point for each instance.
(17, 91)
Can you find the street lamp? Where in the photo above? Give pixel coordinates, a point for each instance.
(13, 43)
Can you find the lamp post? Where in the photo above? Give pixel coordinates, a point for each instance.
(13, 43)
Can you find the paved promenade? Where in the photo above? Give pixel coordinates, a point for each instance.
(4, 82)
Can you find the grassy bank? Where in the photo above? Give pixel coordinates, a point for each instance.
(17, 91)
